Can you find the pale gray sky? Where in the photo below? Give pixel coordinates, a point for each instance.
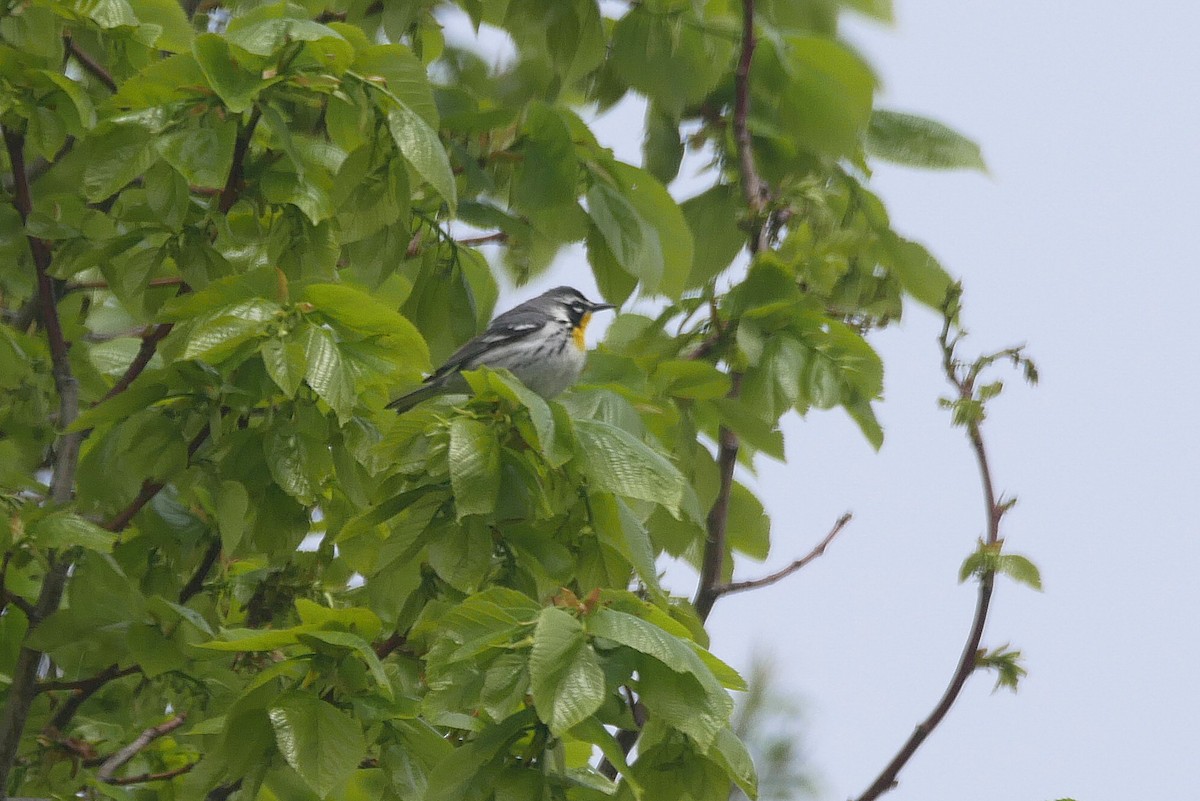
(1081, 243)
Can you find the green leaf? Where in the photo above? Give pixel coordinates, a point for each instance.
(359, 311)
(730, 753)
(286, 362)
(116, 158)
(661, 215)
(662, 147)
(548, 173)
(712, 217)
(814, 92)
(615, 461)
(1020, 569)
(323, 744)
(237, 87)
(921, 142)
(218, 337)
(419, 144)
(919, 272)
(177, 33)
(66, 530)
(671, 62)
(474, 467)
(230, 507)
(344, 640)
(632, 242)
(328, 374)
(252, 640)
(202, 154)
(685, 378)
(108, 13)
(564, 673)
(617, 526)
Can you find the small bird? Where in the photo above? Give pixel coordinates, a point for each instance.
(540, 342)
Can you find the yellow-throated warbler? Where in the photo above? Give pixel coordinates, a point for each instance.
(540, 342)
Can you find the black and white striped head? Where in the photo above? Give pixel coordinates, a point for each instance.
(571, 304)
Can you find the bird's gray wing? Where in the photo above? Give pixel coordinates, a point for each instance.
(513, 325)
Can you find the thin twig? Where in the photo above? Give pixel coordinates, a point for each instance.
(196, 582)
(392, 643)
(142, 778)
(475, 241)
(91, 683)
(83, 690)
(153, 282)
(779, 575)
(114, 762)
(90, 64)
(23, 684)
(150, 489)
(146, 350)
(967, 661)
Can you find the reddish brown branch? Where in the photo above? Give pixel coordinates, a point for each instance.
(150, 489)
(392, 643)
(233, 182)
(754, 189)
(91, 683)
(153, 282)
(717, 522)
(23, 686)
(90, 64)
(196, 582)
(779, 575)
(967, 661)
(114, 762)
(499, 237)
(142, 778)
(146, 350)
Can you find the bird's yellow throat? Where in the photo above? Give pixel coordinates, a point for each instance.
(577, 331)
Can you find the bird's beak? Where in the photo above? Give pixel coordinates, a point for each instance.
(602, 306)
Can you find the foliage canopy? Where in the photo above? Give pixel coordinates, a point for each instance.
(227, 242)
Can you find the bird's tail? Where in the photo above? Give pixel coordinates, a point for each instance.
(407, 401)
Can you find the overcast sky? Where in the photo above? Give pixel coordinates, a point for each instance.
(1081, 242)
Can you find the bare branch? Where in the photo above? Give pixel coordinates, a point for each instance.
(233, 182)
(114, 762)
(967, 661)
(779, 575)
(90, 64)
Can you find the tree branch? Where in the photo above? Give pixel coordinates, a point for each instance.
(82, 690)
(196, 582)
(89, 63)
(716, 523)
(754, 189)
(141, 778)
(967, 661)
(66, 460)
(498, 237)
(150, 340)
(150, 489)
(779, 575)
(114, 762)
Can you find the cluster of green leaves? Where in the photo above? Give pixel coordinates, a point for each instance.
(248, 226)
